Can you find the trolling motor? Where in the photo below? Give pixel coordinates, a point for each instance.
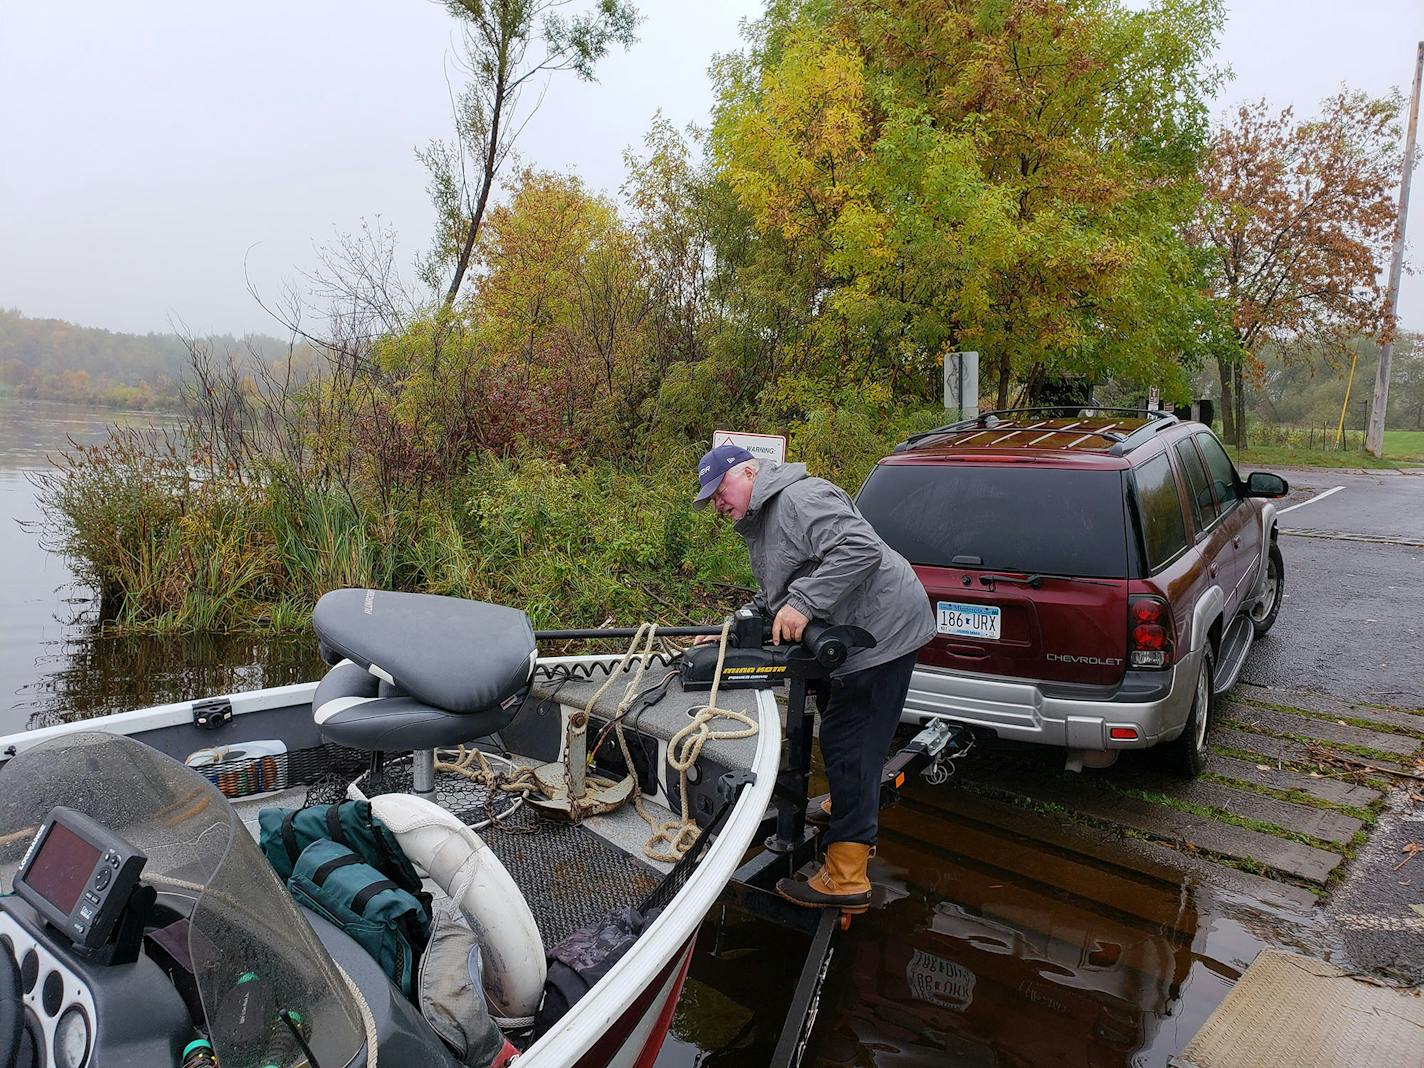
(751, 661)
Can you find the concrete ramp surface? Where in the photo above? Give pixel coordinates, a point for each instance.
(1289, 1011)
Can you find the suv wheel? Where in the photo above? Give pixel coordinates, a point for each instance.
(1263, 615)
(1187, 755)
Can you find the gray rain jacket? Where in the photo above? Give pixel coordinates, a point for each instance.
(811, 548)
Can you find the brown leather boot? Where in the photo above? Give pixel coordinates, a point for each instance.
(819, 815)
(841, 882)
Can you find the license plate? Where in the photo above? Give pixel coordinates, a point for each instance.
(968, 620)
(939, 982)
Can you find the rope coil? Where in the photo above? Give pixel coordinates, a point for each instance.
(670, 839)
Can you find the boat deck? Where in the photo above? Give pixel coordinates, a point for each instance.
(571, 875)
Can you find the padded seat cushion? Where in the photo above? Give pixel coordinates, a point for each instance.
(352, 707)
(455, 655)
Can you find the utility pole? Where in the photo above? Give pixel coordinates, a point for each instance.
(1374, 434)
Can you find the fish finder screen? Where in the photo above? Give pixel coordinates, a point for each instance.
(62, 867)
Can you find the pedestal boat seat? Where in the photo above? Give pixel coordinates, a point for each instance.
(415, 671)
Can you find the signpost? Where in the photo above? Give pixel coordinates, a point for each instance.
(763, 446)
(961, 384)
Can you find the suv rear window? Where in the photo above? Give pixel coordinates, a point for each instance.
(1051, 521)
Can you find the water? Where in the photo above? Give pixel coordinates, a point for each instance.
(55, 664)
(991, 943)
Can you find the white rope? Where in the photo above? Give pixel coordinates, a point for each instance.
(670, 839)
(368, 1021)
(673, 838)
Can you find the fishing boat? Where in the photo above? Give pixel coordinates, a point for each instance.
(446, 703)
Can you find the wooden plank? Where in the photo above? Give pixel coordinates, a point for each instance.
(1150, 860)
(1322, 730)
(1321, 788)
(1330, 705)
(1296, 752)
(1239, 843)
(1302, 819)
(1392, 720)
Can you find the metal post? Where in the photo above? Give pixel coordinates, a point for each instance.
(423, 772)
(1374, 435)
(791, 784)
(576, 760)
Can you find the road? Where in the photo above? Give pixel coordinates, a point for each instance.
(1352, 622)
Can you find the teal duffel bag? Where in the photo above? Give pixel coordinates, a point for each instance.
(389, 922)
(286, 832)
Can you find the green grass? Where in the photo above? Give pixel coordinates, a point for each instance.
(1348, 720)
(1263, 457)
(1304, 767)
(1221, 815)
(1404, 445)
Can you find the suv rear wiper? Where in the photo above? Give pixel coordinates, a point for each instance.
(1033, 581)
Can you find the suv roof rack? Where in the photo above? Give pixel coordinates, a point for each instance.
(1121, 443)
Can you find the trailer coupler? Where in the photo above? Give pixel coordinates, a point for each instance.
(930, 753)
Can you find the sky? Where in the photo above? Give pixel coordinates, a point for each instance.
(157, 155)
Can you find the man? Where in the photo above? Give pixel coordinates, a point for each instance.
(815, 557)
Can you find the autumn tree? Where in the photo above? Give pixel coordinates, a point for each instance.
(508, 44)
(667, 194)
(1296, 219)
(562, 302)
(935, 176)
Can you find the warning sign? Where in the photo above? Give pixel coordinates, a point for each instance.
(763, 446)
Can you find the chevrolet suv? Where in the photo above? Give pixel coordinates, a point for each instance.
(1098, 575)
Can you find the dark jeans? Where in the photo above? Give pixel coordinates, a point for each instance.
(859, 714)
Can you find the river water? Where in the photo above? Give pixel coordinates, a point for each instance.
(55, 664)
(989, 945)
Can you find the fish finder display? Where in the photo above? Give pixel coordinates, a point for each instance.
(78, 876)
(61, 868)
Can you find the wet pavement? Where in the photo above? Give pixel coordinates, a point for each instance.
(1352, 622)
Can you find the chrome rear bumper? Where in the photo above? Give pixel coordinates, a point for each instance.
(1019, 709)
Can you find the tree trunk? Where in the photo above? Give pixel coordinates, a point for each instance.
(1228, 406)
(1003, 397)
(486, 183)
(1240, 377)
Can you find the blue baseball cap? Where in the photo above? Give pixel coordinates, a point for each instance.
(713, 466)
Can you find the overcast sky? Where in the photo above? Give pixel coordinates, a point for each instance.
(150, 152)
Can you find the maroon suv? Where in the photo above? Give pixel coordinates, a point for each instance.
(1098, 575)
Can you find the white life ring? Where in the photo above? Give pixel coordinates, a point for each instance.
(469, 872)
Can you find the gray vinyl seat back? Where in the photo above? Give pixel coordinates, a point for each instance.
(416, 671)
(458, 656)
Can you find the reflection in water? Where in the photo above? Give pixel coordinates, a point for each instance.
(987, 948)
(92, 674)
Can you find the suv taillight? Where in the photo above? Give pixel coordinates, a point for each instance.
(1149, 632)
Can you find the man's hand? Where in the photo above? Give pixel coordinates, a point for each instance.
(788, 624)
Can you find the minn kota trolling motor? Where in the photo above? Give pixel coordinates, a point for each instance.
(752, 662)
